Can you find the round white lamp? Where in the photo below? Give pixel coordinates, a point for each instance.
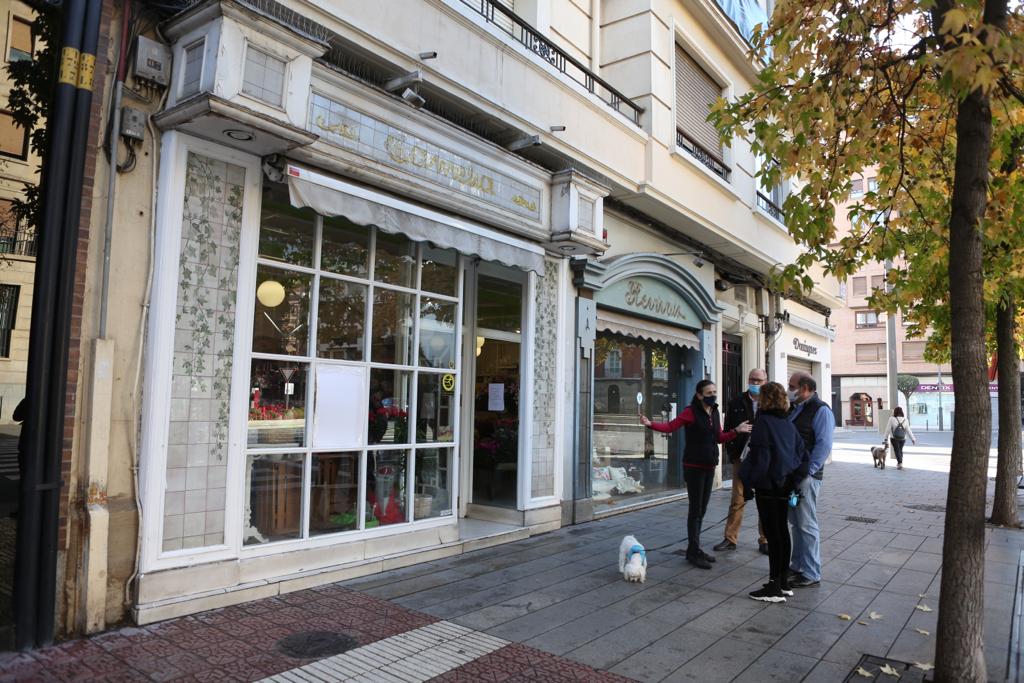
(270, 293)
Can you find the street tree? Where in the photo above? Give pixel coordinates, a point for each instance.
(929, 92)
(907, 384)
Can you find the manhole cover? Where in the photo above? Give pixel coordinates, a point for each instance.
(905, 672)
(862, 520)
(927, 508)
(316, 644)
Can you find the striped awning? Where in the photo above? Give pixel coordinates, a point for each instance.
(619, 323)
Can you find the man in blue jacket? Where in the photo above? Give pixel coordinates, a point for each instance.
(814, 421)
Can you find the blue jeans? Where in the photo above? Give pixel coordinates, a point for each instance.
(806, 557)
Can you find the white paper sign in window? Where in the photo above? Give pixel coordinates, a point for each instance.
(341, 406)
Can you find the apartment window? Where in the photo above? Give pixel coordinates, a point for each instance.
(8, 314)
(913, 350)
(696, 91)
(872, 184)
(860, 286)
(613, 365)
(842, 291)
(191, 80)
(264, 76)
(870, 353)
(878, 282)
(19, 48)
(867, 319)
(503, 20)
(857, 187)
(13, 138)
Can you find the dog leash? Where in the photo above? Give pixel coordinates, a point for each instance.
(684, 539)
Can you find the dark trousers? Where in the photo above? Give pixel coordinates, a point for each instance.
(897, 448)
(698, 489)
(773, 510)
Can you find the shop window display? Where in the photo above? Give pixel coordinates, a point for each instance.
(375, 313)
(630, 461)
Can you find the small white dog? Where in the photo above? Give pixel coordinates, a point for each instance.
(632, 560)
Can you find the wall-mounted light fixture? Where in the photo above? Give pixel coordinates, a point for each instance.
(557, 129)
(428, 55)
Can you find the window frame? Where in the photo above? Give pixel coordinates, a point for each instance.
(866, 324)
(913, 344)
(309, 361)
(880, 352)
(284, 76)
(861, 291)
(7, 333)
(14, 18)
(201, 44)
(25, 140)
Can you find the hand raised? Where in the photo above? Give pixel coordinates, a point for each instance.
(645, 421)
(744, 428)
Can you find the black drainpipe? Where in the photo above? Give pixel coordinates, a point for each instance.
(39, 496)
(62, 323)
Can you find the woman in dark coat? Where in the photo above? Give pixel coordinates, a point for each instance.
(700, 459)
(775, 463)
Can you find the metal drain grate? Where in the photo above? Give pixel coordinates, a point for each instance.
(907, 672)
(862, 520)
(926, 508)
(316, 644)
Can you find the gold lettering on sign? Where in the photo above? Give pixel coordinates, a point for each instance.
(342, 129)
(522, 201)
(636, 298)
(421, 157)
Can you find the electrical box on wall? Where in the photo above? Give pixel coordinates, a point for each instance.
(152, 62)
(133, 124)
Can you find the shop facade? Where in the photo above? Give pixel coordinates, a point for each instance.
(651, 322)
(354, 341)
(803, 345)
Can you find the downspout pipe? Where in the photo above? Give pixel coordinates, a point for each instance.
(35, 460)
(115, 135)
(62, 322)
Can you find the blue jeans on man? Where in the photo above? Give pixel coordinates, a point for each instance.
(806, 558)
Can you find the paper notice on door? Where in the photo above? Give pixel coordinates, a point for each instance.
(496, 397)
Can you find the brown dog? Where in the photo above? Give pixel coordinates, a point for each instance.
(879, 453)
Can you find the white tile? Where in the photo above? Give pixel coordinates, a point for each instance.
(176, 479)
(198, 455)
(196, 478)
(174, 503)
(195, 501)
(215, 498)
(217, 477)
(173, 525)
(177, 456)
(194, 524)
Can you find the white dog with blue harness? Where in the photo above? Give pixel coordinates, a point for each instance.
(632, 560)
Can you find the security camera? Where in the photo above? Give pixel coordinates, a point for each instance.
(413, 98)
(428, 55)
(271, 170)
(723, 285)
(699, 262)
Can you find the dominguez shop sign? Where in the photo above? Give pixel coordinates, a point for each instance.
(805, 347)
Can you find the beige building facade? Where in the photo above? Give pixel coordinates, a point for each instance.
(387, 278)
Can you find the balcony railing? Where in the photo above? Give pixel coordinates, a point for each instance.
(770, 207)
(17, 241)
(703, 155)
(558, 58)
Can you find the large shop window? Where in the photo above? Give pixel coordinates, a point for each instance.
(352, 406)
(628, 459)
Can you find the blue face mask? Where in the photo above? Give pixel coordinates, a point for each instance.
(754, 389)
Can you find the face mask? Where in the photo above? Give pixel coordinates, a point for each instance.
(710, 400)
(754, 389)
(794, 395)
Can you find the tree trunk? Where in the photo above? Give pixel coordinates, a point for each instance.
(1004, 510)
(959, 642)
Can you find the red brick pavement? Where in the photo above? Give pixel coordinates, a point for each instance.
(238, 643)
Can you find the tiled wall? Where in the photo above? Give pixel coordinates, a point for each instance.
(203, 344)
(545, 386)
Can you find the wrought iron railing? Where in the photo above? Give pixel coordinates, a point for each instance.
(558, 58)
(703, 155)
(773, 210)
(17, 241)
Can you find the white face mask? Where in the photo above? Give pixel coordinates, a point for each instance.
(794, 395)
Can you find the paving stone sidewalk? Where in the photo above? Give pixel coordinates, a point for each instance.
(553, 607)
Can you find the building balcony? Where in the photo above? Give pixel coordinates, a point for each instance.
(18, 241)
(770, 207)
(703, 155)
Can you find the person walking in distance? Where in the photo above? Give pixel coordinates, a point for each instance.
(700, 459)
(743, 408)
(815, 423)
(896, 433)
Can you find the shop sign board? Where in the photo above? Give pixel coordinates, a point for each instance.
(649, 298)
(358, 132)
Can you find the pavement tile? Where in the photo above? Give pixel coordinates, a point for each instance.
(775, 665)
(662, 657)
(722, 661)
(814, 635)
(847, 599)
(873, 576)
(728, 615)
(769, 625)
(827, 672)
(924, 562)
(909, 582)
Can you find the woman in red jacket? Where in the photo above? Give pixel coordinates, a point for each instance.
(700, 459)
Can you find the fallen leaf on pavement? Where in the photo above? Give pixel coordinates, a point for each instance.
(924, 608)
(875, 615)
(889, 671)
(845, 617)
(863, 623)
(923, 667)
(922, 595)
(861, 671)
(923, 632)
